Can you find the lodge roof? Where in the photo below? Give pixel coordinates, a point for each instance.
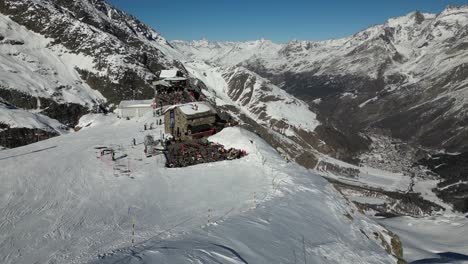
(193, 109)
(168, 73)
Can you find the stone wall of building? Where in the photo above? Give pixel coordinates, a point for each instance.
(182, 121)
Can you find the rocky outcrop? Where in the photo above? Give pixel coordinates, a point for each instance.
(66, 113)
(452, 168)
(17, 137)
(129, 86)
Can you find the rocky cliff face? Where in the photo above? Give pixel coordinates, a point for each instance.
(453, 188)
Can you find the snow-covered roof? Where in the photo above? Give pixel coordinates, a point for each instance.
(193, 108)
(196, 108)
(168, 73)
(162, 83)
(135, 103)
(175, 79)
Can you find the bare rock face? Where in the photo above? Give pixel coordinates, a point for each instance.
(17, 137)
(66, 113)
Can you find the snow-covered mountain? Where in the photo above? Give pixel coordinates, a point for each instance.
(310, 101)
(227, 53)
(254, 96)
(104, 49)
(63, 58)
(408, 76)
(385, 98)
(30, 65)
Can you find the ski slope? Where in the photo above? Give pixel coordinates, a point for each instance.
(66, 204)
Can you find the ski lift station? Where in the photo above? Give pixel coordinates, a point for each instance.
(134, 108)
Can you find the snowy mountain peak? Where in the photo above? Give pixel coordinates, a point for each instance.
(454, 15)
(411, 19)
(453, 9)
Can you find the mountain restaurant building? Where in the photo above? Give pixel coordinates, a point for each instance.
(174, 78)
(192, 120)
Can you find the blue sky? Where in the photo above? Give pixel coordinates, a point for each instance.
(279, 21)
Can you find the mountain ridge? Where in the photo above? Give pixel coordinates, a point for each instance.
(406, 66)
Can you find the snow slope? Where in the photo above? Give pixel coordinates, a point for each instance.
(255, 96)
(67, 204)
(38, 69)
(425, 238)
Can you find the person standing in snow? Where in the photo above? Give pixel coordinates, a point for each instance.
(113, 155)
(134, 142)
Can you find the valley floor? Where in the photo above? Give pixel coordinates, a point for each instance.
(62, 202)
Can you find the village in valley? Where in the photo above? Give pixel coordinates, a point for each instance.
(174, 124)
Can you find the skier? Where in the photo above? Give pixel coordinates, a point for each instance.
(145, 126)
(113, 156)
(134, 142)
